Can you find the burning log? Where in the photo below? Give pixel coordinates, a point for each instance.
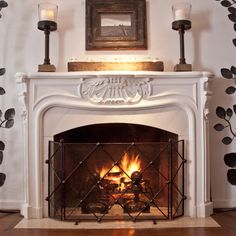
(92, 194)
(133, 206)
(117, 174)
(109, 185)
(124, 183)
(95, 207)
(136, 177)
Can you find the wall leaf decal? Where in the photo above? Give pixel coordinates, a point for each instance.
(227, 113)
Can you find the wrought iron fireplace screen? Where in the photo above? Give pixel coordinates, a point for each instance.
(116, 180)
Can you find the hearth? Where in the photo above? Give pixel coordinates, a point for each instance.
(116, 171)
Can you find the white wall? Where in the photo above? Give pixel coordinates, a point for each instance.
(208, 47)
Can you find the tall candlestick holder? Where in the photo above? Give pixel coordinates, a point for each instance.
(181, 13)
(47, 23)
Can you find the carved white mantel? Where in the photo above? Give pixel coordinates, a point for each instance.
(79, 98)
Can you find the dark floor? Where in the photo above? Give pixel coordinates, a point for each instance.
(227, 220)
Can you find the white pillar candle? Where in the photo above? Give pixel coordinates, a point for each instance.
(46, 14)
(181, 11)
(180, 14)
(47, 11)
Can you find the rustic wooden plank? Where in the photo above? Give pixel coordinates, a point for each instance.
(118, 66)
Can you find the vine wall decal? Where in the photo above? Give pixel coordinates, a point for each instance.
(6, 119)
(226, 114)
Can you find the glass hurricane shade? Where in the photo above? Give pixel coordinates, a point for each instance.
(47, 12)
(181, 11)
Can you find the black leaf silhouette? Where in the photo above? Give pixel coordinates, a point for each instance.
(230, 90)
(3, 4)
(2, 71)
(229, 112)
(2, 179)
(233, 70)
(9, 114)
(2, 91)
(234, 41)
(231, 175)
(232, 9)
(227, 140)
(219, 127)
(220, 112)
(232, 17)
(9, 123)
(1, 157)
(226, 73)
(2, 146)
(234, 107)
(226, 3)
(230, 159)
(234, 27)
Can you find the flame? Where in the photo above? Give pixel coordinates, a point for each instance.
(128, 165)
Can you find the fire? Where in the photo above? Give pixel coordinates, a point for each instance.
(128, 165)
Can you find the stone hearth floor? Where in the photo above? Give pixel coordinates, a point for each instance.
(183, 222)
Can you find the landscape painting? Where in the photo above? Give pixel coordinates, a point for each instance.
(116, 25)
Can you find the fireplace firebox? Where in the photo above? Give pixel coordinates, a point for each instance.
(116, 171)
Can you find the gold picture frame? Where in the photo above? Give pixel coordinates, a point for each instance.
(116, 25)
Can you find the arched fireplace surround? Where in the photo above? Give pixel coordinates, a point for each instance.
(176, 102)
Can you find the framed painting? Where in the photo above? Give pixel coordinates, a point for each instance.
(116, 25)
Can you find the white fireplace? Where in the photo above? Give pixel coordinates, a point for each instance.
(174, 101)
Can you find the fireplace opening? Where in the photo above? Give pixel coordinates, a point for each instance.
(115, 171)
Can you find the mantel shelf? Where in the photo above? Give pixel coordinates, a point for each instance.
(134, 74)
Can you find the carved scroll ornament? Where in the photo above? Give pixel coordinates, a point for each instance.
(114, 90)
